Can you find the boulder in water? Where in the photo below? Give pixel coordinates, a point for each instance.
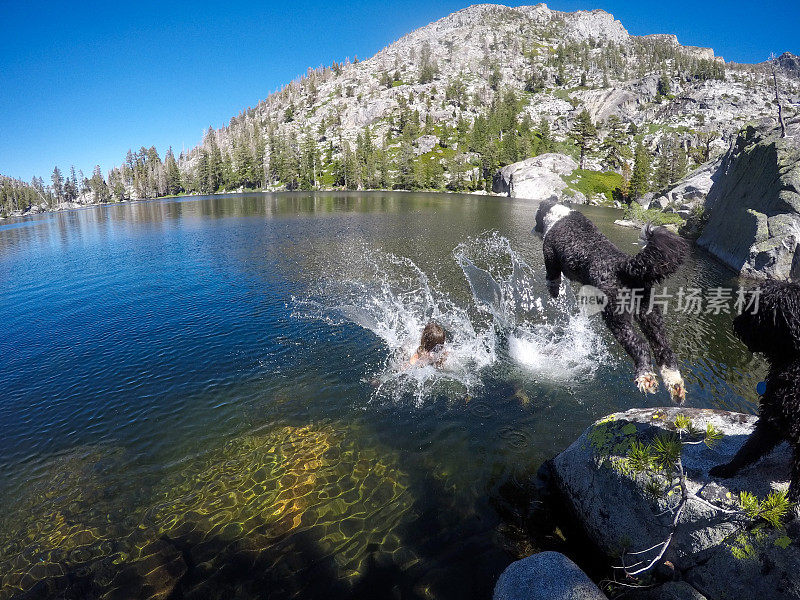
(545, 576)
(537, 178)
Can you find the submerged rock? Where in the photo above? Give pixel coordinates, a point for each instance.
(545, 576)
(537, 178)
(754, 204)
(628, 223)
(715, 548)
(263, 511)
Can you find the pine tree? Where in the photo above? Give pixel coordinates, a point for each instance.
(70, 193)
(663, 175)
(427, 65)
(98, 185)
(117, 185)
(663, 85)
(202, 174)
(584, 134)
(406, 172)
(383, 168)
(430, 173)
(545, 137)
(615, 145)
(457, 168)
(259, 155)
(173, 174)
(58, 184)
(352, 172)
(495, 77)
(490, 163)
(216, 177)
(243, 167)
(74, 180)
(680, 161)
(309, 164)
(640, 178)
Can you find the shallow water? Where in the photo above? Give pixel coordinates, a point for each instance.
(208, 394)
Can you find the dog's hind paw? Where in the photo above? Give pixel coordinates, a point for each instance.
(647, 383)
(674, 383)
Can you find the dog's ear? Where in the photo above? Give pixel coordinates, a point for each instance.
(544, 207)
(540, 213)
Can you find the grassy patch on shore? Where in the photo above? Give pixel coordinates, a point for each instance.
(590, 183)
(635, 212)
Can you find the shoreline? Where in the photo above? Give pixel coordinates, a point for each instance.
(76, 206)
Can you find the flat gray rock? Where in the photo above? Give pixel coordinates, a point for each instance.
(545, 576)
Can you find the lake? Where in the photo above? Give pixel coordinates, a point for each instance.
(206, 397)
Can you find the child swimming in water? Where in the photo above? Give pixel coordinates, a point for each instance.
(430, 351)
(431, 346)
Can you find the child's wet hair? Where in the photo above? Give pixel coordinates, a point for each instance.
(433, 335)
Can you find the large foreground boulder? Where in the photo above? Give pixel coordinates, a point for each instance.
(537, 178)
(715, 548)
(545, 576)
(754, 204)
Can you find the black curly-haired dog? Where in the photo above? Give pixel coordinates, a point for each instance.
(575, 247)
(774, 330)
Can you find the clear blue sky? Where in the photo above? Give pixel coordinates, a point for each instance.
(82, 82)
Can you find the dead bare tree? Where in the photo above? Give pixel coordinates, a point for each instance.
(774, 61)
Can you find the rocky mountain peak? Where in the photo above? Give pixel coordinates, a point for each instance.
(790, 63)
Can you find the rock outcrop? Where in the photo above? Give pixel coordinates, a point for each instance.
(692, 190)
(715, 548)
(545, 576)
(538, 178)
(789, 63)
(754, 204)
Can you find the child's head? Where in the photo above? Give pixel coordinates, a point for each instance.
(433, 335)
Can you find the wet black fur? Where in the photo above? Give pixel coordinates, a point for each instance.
(576, 248)
(773, 330)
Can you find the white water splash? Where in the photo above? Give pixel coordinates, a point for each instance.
(393, 298)
(546, 337)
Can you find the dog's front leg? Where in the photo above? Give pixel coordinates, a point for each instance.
(621, 326)
(763, 439)
(651, 322)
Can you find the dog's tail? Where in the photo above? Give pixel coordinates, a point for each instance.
(663, 253)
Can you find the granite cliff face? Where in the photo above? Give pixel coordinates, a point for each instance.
(754, 204)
